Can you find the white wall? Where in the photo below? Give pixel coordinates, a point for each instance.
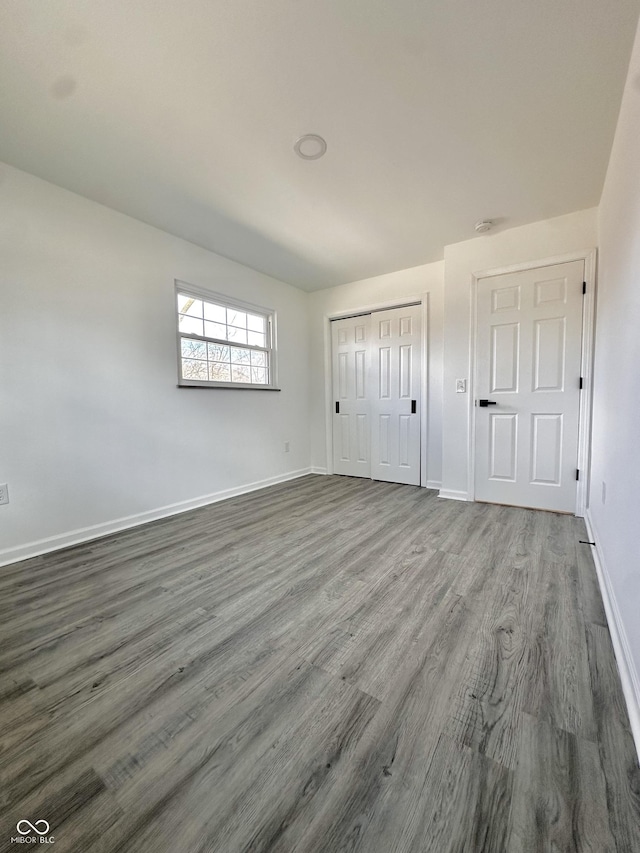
(616, 416)
(418, 283)
(92, 426)
(574, 232)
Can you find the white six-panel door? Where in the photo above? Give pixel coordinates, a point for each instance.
(376, 395)
(528, 356)
(395, 397)
(351, 416)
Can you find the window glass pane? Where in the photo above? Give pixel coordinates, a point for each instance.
(189, 305)
(194, 369)
(236, 318)
(238, 336)
(256, 339)
(193, 349)
(240, 373)
(218, 352)
(255, 323)
(240, 356)
(219, 372)
(236, 345)
(217, 313)
(215, 330)
(190, 325)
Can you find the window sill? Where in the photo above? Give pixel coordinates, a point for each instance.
(229, 386)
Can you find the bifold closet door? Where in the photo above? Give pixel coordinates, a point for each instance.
(395, 395)
(351, 415)
(376, 395)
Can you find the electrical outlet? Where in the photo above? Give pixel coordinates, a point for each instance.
(286, 447)
(4, 493)
(604, 492)
(461, 386)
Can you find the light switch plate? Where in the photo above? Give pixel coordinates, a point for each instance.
(461, 386)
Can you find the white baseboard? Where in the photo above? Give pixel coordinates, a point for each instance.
(453, 495)
(433, 484)
(95, 531)
(315, 470)
(628, 673)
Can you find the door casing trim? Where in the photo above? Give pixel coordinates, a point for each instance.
(589, 256)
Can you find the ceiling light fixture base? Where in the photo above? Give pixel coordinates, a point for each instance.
(310, 146)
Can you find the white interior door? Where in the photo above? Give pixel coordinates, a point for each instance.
(528, 357)
(376, 395)
(351, 417)
(395, 395)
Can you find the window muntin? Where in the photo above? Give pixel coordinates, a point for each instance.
(222, 344)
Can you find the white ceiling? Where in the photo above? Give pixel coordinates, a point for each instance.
(437, 113)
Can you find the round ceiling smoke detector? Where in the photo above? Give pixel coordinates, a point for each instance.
(310, 146)
(483, 225)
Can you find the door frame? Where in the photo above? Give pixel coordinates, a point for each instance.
(417, 299)
(589, 256)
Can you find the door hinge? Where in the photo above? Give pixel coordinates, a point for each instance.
(581, 383)
(337, 408)
(584, 287)
(577, 473)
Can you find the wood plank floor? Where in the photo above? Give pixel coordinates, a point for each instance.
(327, 665)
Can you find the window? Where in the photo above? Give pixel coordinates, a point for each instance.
(223, 343)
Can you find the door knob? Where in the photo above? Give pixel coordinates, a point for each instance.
(484, 403)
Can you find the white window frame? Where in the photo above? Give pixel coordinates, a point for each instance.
(182, 287)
